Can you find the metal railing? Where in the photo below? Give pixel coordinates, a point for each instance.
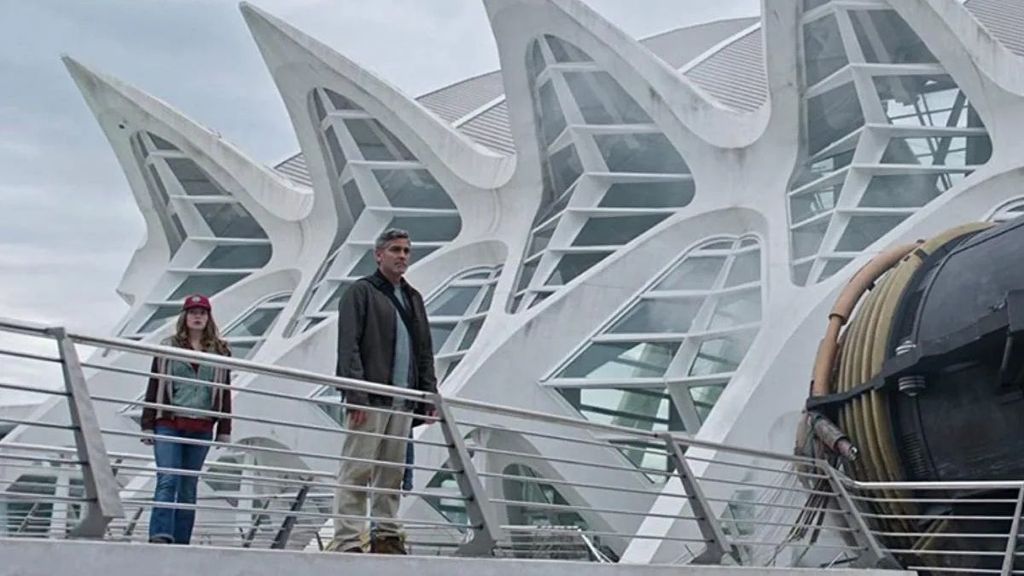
(502, 481)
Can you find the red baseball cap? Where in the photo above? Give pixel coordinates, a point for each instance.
(197, 301)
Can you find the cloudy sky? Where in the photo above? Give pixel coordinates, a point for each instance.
(68, 224)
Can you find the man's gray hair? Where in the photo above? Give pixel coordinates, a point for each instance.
(389, 235)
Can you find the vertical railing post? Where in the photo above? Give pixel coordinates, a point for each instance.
(1011, 544)
(101, 489)
(479, 508)
(874, 556)
(718, 544)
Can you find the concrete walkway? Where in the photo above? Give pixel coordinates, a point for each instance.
(25, 557)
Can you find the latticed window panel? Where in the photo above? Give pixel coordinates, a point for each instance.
(457, 312)
(377, 183)
(609, 174)
(223, 243)
(887, 132)
(663, 360)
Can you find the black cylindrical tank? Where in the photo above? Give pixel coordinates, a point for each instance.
(961, 414)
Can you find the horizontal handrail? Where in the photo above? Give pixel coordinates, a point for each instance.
(752, 495)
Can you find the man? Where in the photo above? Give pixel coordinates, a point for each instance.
(383, 337)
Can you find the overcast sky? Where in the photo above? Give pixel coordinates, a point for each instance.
(68, 223)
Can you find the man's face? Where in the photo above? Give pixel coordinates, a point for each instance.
(393, 259)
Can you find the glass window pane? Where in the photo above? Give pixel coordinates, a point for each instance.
(662, 315)
(693, 273)
(472, 331)
(807, 239)
(615, 231)
(832, 115)
(901, 190)
(160, 143)
(331, 304)
(485, 303)
(451, 368)
(833, 266)
(412, 189)
(256, 323)
(230, 221)
(746, 268)
(159, 317)
(642, 409)
(353, 198)
(837, 159)
(564, 51)
(640, 153)
(366, 265)
(721, 355)
(439, 334)
(800, 273)
(333, 408)
(648, 195)
(340, 102)
(337, 154)
(207, 285)
(193, 180)
(823, 49)
(555, 208)
(602, 100)
(158, 183)
(251, 256)
(551, 120)
(565, 169)
(178, 236)
(813, 202)
(648, 456)
(376, 142)
(540, 239)
(737, 309)
(318, 106)
(571, 266)
(922, 101)
(616, 360)
(535, 63)
(886, 38)
(243, 350)
(862, 231)
(526, 274)
(452, 301)
(428, 228)
(957, 151)
(704, 398)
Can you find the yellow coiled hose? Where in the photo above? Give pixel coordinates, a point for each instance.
(866, 418)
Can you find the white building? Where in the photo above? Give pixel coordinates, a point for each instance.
(660, 226)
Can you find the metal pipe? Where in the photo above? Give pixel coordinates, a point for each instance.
(32, 389)
(571, 508)
(246, 390)
(250, 367)
(284, 423)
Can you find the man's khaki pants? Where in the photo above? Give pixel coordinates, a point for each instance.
(349, 500)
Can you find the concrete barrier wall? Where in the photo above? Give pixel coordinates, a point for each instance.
(23, 557)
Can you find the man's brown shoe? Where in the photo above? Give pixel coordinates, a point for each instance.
(387, 545)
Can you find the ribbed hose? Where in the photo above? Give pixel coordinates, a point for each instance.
(866, 419)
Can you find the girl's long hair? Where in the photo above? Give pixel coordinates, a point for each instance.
(211, 340)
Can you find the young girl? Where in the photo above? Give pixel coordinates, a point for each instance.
(195, 330)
